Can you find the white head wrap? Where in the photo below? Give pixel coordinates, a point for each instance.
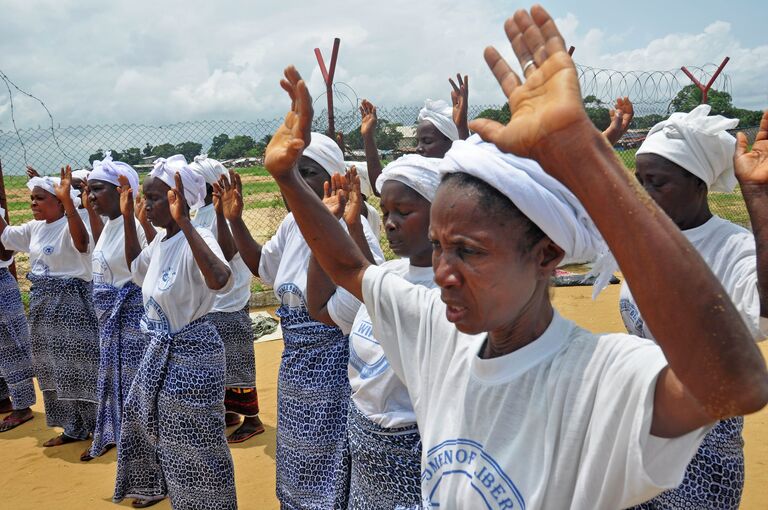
(108, 170)
(47, 183)
(440, 114)
(538, 195)
(326, 153)
(194, 184)
(699, 143)
(210, 169)
(81, 174)
(417, 172)
(362, 171)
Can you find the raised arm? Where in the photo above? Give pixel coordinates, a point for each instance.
(215, 272)
(333, 248)
(752, 172)
(76, 226)
(223, 234)
(368, 131)
(132, 243)
(715, 370)
(460, 100)
(621, 116)
(231, 197)
(97, 225)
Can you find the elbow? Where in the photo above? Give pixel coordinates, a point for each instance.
(756, 398)
(220, 279)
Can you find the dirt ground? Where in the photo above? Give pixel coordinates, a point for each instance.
(41, 478)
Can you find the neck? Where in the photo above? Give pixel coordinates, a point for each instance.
(57, 218)
(529, 325)
(701, 217)
(171, 229)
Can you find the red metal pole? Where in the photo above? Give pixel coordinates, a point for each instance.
(705, 88)
(328, 78)
(571, 50)
(4, 205)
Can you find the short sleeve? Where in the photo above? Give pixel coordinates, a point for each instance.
(210, 240)
(17, 238)
(140, 264)
(400, 312)
(342, 308)
(619, 440)
(272, 251)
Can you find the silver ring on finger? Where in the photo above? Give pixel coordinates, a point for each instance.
(528, 65)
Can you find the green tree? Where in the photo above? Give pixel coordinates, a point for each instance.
(99, 154)
(164, 150)
(647, 121)
(236, 147)
(387, 136)
(499, 115)
(189, 149)
(689, 98)
(132, 156)
(260, 148)
(597, 113)
(217, 144)
(148, 150)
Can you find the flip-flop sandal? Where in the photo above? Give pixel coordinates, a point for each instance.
(144, 503)
(86, 455)
(65, 439)
(11, 423)
(259, 430)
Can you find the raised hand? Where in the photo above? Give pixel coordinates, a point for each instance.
(31, 172)
(621, 116)
(126, 199)
(334, 195)
(64, 185)
(176, 202)
(369, 119)
(84, 196)
(354, 198)
(751, 166)
(230, 195)
(549, 103)
(140, 207)
(293, 135)
(460, 100)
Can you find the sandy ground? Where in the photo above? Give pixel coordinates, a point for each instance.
(53, 478)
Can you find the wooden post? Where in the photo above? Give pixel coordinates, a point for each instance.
(4, 205)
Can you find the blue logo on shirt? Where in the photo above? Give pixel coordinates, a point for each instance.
(39, 267)
(464, 462)
(154, 318)
(48, 250)
(167, 278)
(291, 296)
(364, 332)
(101, 271)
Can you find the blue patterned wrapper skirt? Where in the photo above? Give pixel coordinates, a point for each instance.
(714, 479)
(236, 332)
(312, 404)
(65, 351)
(122, 346)
(16, 370)
(386, 464)
(172, 438)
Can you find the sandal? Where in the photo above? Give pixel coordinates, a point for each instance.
(86, 455)
(235, 438)
(11, 422)
(60, 440)
(144, 503)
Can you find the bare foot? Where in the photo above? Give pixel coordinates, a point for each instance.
(15, 419)
(232, 419)
(60, 440)
(144, 503)
(251, 426)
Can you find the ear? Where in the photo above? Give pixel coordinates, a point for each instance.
(548, 257)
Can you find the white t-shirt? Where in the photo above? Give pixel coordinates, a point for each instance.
(51, 249)
(240, 294)
(376, 389)
(374, 219)
(284, 260)
(174, 289)
(729, 251)
(109, 266)
(563, 422)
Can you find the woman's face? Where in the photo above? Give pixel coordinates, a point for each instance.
(678, 192)
(430, 142)
(313, 174)
(104, 198)
(406, 222)
(45, 206)
(485, 279)
(156, 202)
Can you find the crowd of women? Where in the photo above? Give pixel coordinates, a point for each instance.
(444, 377)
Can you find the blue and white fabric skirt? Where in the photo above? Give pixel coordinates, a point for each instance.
(312, 404)
(386, 464)
(172, 438)
(119, 311)
(16, 370)
(236, 332)
(65, 351)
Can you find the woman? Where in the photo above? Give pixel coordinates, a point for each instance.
(313, 391)
(230, 313)
(518, 407)
(172, 437)
(116, 299)
(63, 333)
(680, 161)
(385, 446)
(17, 390)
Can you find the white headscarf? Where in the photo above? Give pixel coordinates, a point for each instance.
(210, 169)
(362, 171)
(417, 172)
(81, 174)
(108, 170)
(194, 184)
(47, 183)
(440, 114)
(326, 153)
(538, 195)
(699, 143)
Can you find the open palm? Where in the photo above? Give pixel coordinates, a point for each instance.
(752, 166)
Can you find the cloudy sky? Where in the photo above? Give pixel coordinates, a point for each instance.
(165, 61)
